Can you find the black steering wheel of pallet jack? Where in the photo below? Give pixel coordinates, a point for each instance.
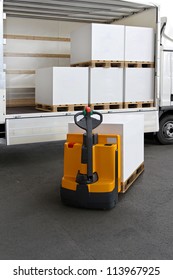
(88, 122)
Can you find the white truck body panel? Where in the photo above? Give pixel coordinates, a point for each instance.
(2, 75)
(33, 130)
(2, 106)
(166, 80)
(53, 128)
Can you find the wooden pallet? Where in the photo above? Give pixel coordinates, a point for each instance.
(138, 64)
(100, 63)
(112, 63)
(144, 104)
(104, 106)
(60, 108)
(126, 185)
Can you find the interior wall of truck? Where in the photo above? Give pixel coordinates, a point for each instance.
(32, 43)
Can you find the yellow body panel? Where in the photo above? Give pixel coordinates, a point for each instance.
(104, 162)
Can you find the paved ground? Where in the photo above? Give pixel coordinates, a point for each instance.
(35, 225)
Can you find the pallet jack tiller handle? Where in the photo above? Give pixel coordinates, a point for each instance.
(88, 123)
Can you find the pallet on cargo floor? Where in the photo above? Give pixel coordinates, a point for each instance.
(139, 64)
(104, 106)
(100, 63)
(60, 108)
(145, 104)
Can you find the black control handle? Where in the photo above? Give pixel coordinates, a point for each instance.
(88, 123)
(87, 114)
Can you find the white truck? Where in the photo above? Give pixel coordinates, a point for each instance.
(20, 128)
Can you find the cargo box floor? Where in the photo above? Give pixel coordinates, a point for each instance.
(21, 110)
(34, 224)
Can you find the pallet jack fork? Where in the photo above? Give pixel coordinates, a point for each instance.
(92, 165)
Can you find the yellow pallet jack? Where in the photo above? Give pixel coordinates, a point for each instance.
(92, 165)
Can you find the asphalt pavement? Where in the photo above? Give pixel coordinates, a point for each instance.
(34, 224)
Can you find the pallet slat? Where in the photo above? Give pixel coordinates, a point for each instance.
(48, 55)
(126, 185)
(36, 38)
(21, 102)
(15, 71)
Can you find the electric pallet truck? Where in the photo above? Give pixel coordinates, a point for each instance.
(92, 165)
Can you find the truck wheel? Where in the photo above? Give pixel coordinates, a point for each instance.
(165, 133)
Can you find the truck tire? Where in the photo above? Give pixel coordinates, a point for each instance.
(165, 133)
